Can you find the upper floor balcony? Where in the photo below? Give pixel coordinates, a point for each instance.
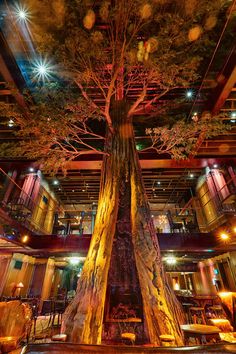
(28, 203)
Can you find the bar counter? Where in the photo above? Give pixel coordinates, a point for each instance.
(71, 348)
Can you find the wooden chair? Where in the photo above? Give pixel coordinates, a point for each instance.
(197, 315)
(128, 338)
(43, 321)
(167, 340)
(192, 226)
(59, 307)
(216, 311)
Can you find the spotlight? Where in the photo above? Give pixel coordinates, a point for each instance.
(189, 94)
(233, 114)
(158, 182)
(22, 13)
(42, 70)
(171, 260)
(234, 229)
(31, 169)
(74, 260)
(25, 238)
(11, 123)
(55, 182)
(215, 165)
(191, 175)
(224, 236)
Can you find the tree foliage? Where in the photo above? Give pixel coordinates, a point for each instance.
(183, 139)
(105, 51)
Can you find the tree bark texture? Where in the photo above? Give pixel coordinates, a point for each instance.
(83, 319)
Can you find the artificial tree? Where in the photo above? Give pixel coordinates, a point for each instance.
(105, 51)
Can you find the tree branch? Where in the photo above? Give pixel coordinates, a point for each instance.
(138, 101)
(149, 104)
(88, 98)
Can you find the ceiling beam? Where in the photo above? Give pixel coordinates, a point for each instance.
(10, 81)
(156, 163)
(96, 164)
(226, 81)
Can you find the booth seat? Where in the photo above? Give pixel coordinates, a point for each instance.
(15, 324)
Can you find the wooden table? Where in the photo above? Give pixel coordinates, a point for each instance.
(202, 300)
(201, 333)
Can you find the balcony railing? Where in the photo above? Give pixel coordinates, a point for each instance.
(20, 206)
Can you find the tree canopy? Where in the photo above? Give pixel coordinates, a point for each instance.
(106, 51)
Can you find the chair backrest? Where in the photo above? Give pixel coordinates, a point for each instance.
(169, 217)
(59, 306)
(47, 307)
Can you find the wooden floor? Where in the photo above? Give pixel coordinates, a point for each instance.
(70, 348)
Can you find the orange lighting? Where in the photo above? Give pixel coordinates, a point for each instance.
(234, 229)
(224, 236)
(225, 294)
(25, 238)
(20, 285)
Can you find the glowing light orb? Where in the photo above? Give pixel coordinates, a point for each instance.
(194, 33)
(89, 20)
(145, 11)
(223, 148)
(189, 94)
(210, 23)
(42, 70)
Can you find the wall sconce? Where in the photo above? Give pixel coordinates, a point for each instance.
(19, 286)
(17, 289)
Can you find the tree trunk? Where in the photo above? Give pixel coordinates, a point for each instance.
(83, 319)
(162, 311)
